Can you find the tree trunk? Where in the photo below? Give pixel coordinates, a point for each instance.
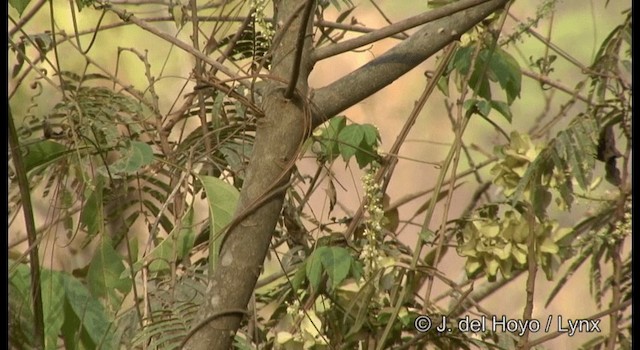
(279, 135)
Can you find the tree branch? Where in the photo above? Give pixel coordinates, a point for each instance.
(302, 33)
(382, 71)
(398, 27)
(279, 137)
(129, 17)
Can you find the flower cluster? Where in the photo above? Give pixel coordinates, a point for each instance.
(623, 226)
(492, 243)
(260, 18)
(370, 253)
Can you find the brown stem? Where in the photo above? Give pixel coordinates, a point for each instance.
(532, 270)
(27, 207)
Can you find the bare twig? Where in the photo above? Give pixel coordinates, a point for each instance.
(595, 316)
(125, 16)
(532, 270)
(403, 35)
(18, 26)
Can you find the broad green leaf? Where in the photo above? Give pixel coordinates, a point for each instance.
(187, 235)
(20, 310)
(484, 108)
(52, 306)
(91, 216)
(89, 314)
(313, 267)
(136, 155)
(443, 85)
(105, 275)
(299, 276)
(503, 109)
(462, 59)
(371, 135)
(175, 246)
(365, 158)
(235, 154)
(336, 262)
(329, 137)
(43, 152)
(222, 199)
(19, 5)
(349, 140)
(359, 306)
(507, 71)
(479, 81)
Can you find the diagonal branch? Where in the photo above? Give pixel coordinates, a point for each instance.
(382, 71)
(398, 27)
(302, 33)
(129, 17)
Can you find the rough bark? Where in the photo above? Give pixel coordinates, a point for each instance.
(278, 137)
(383, 70)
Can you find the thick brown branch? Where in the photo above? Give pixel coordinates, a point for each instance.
(382, 71)
(398, 27)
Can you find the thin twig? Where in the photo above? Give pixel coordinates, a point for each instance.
(390, 161)
(403, 34)
(18, 26)
(126, 16)
(532, 271)
(595, 316)
(448, 54)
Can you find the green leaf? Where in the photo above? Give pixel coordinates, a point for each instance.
(336, 262)
(104, 275)
(349, 140)
(371, 135)
(19, 5)
(480, 82)
(136, 155)
(313, 267)
(462, 59)
(43, 152)
(90, 317)
(222, 199)
(187, 234)
(507, 71)
(83, 3)
(52, 306)
(426, 235)
(329, 137)
(91, 216)
(443, 85)
(365, 158)
(235, 155)
(174, 247)
(481, 107)
(503, 109)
